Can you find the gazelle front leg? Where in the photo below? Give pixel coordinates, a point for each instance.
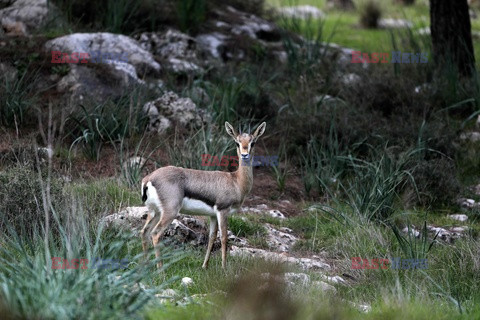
(222, 224)
(211, 239)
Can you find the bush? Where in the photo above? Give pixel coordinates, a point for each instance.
(21, 199)
(437, 182)
(33, 289)
(370, 14)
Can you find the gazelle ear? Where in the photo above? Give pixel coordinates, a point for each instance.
(260, 130)
(231, 132)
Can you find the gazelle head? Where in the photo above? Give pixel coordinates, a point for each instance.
(245, 141)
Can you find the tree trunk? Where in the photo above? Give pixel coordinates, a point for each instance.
(452, 36)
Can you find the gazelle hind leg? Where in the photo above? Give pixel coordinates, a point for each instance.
(157, 232)
(211, 239)
(145, 231)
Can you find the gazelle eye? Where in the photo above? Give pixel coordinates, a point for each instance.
(238, 144)
(252, 144)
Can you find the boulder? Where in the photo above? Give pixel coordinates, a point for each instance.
(107, 43)
(233, 33)
(170, 108)
(98, 82)
(177, 50)
(184, 229)
(279, 240)
(22, 15)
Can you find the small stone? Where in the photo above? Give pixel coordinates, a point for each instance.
(466, 203)
(459, 229)
(301, 12)
(471, 136)
(389, 23)
(334, 279)
(276, 214)
(187, 282)
(459, 217)
(412, 231)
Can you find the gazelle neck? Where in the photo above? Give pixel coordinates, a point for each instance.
(244, 176)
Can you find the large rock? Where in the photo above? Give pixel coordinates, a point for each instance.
(177, 50)
(170, 108)
(280, 240)
(139, 58)
(233, 33)
(184, 229)
(32, 14)
(99, 82)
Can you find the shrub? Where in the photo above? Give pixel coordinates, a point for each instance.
(191, 13)
(21, 199)
(31, 288)
(370, 14)
(118, 16)
(16, 99)
(436, 181)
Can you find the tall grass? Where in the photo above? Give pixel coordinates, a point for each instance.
(191, 14)
(117, 16)
(31, 288)
(109, 121)
(17, 98)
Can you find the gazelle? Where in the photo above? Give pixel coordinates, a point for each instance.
(170, 190)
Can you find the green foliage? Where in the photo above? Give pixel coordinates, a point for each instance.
(323, 166)
(280, 174)
(133, 160)
(226, 98)
(105, 196)
(17, 96)
(242, 227)
(191, 14)
(22, 196)
(412, 248)
(109, 121)
(304, 56)
(31, 288)
(117, 16)
(375, 185)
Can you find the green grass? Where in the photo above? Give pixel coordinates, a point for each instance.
(102, 197)
(343, 27)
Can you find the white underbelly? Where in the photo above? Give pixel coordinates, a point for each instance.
(197, 208)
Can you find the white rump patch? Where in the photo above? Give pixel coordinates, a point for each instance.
(153, 201)
(197, 208)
